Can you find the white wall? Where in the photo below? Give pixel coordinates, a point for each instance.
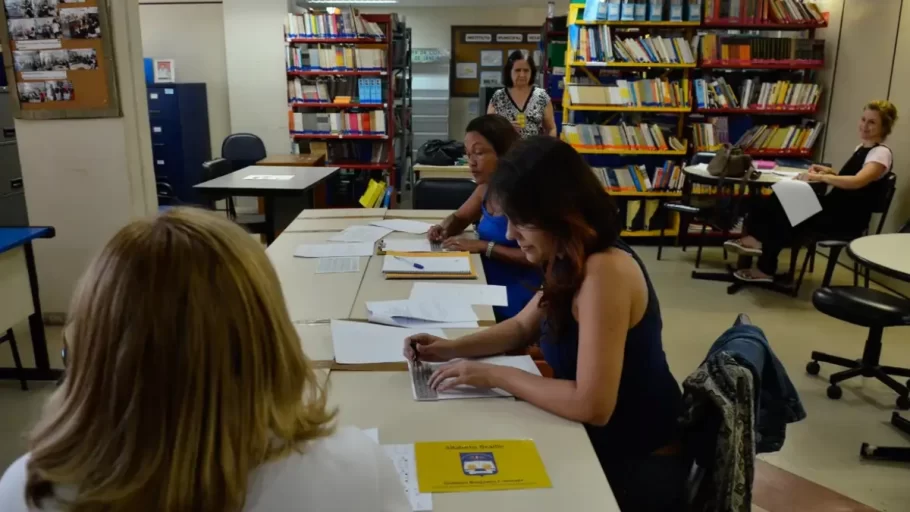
(88, 178)
(193, 35)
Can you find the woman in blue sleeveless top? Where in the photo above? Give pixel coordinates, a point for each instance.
(597, 319)
(488, 138)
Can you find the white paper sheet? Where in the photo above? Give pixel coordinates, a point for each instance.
(363, 343)
(370, 234)
(339, 265)
(476, 294)
(333, 250)
(372, 433)
(405, 462)
(423, 314)
(276, 177)
(393, 245)
(443, 265)
(798, 199)
(524, 363)
(414, 227)
(786, 174)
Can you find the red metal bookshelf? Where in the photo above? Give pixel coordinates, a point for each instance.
(314, 104)
(780, 64)
(760, 111)
(780, 153)
(337, 136)
(733, 25)
(337, 40)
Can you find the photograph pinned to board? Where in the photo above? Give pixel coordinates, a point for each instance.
(490, 79)
(22, 29)
(31, 92)
(54, 60)
(466, 70)
(19, 9)
(26, 61)
(85, 58)
(44, 8)
(81, 23)
(47, 28)
(73, 1)
(491, 58)
(59, 90)
(164, 71)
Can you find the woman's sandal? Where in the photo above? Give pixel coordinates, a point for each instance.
(746, 276)
(737, 247)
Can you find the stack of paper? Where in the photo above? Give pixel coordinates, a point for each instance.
(524, 363)
(333, 250)
(363, 343)
(473, 294)
(405, 461)
(420, 314)
(456, 265)
(404, 245)
(370, 234)
(404, 225)
(798, 199)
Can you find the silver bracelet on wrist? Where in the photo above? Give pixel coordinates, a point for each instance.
(490, 249)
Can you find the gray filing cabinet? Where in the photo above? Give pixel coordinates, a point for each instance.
(12, 193)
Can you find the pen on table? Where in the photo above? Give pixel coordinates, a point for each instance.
(418, 266)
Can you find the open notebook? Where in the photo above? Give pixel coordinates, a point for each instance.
(429, 265)
(421, 372)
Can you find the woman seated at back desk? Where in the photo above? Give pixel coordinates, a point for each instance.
(846, 209)
(486, 139)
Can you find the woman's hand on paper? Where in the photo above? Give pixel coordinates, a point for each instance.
(816, 177)
(426, 347)
(465, 245)
(820, 169)
(436, 233)
(468, 373)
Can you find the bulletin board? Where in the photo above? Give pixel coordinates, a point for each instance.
(59, 58)
(474, 50)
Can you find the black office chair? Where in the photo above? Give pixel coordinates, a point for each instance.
(890, 453)
(216, 168)
(870, 308)
(883, 206)
(167, 198)
(242, 150)
(442, 193)
(11, 338)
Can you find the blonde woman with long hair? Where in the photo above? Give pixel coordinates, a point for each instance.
(187, 390)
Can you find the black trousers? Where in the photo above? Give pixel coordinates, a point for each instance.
(650, 483)
(768, 223)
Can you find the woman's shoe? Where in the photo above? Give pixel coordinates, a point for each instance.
(746, 276)
(737, 247)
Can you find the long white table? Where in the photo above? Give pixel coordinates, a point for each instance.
(329, 224)
(383, 400)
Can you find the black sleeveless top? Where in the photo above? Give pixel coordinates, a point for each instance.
(649, 400)
(852, 209)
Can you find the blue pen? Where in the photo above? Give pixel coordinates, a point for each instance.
(418, 266)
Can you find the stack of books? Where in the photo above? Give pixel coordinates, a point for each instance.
(753, 94)
(762, 11)
(635, 178)
(710, 135)
(765, 139)
(622, 137)
(340, 123)
(351, 152)
(715, 93)
(596, 45)
(786, 95)
(362, 91)
(651, 92)
(754, 50)
(330, 23)
(334, 58)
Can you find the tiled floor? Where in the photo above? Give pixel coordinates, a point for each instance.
(822, 450)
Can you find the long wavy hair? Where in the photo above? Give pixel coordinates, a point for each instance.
(544, 183)
(184, 374)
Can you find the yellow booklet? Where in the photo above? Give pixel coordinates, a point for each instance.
(468, 466)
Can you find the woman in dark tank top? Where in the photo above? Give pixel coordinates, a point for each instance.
(597, 319)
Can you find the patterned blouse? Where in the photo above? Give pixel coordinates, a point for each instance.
(533, 109)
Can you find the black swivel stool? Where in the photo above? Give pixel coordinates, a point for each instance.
(869, 308)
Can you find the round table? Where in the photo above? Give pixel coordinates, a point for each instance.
(888, 254)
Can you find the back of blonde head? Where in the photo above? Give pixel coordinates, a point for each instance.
(184, 374)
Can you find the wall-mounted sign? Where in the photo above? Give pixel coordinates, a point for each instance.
(510, 38)
(426, 55)
(533, 38)
(478, 38)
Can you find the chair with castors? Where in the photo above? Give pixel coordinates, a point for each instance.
(889, 453)
(875, 310)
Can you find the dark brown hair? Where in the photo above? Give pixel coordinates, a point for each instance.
(544, 183)
(510, 63)
(498, 131)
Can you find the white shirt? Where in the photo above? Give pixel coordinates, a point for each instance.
(880, 154)
(346, 472)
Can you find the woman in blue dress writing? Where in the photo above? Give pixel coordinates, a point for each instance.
(486, 139)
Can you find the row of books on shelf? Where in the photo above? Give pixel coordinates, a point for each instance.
(651, 92)
(354, 123)
(349, 152)
(763, 11)
(635, 178)
(708, 136)
(596, 44)
(363, 90)
(334, 58)
(778, 139)
(641, 215)
(330, 23)
(755, 94)
(714, 48)
(642, 10)
(623, 137)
